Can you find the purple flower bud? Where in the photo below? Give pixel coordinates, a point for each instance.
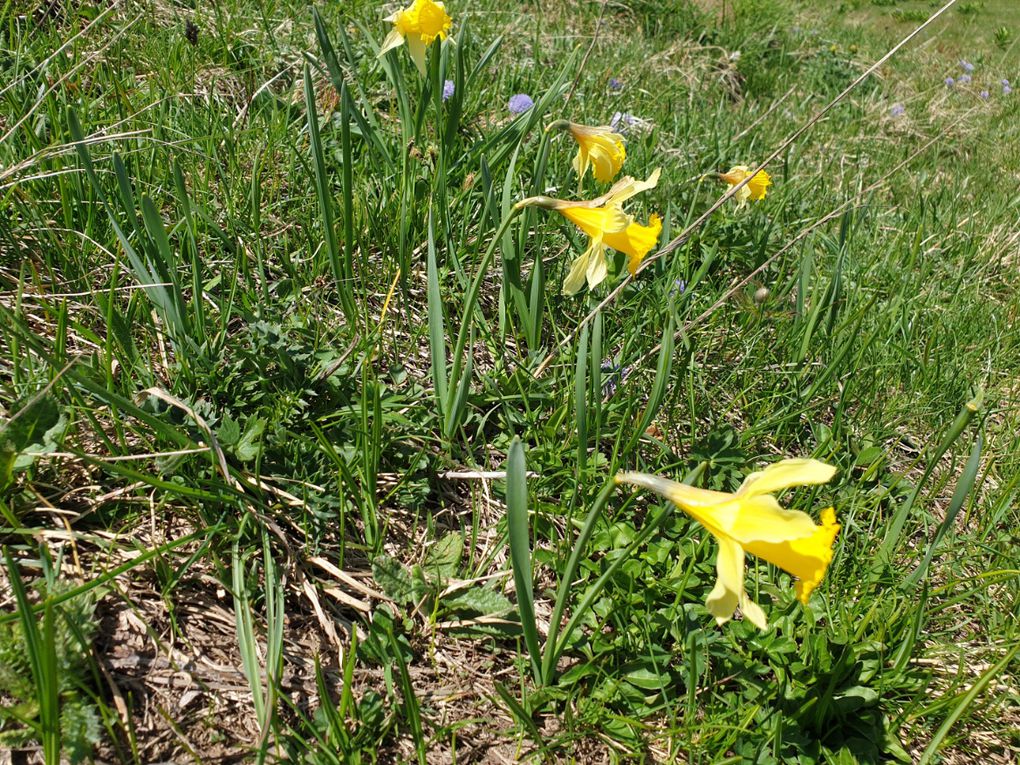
(679, 287)
(985, 94)
(950, 82)
(520, 103)
(448, 88)
(615, 85)
(1005, 82)
(614, 375)
(966, 66)
(897, 110)
(1006, 89)
(964, 79)
(622, 121)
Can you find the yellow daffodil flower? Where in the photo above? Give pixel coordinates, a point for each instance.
(607, 225)
(417, 25)
(599, 148)
(755, 189)
(751, 521)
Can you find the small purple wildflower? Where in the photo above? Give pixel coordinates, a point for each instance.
(615, 85)
(985, 94)
(1006, 89)
(679, 287)
(622, 121)
(950, 82)
(448, 90)
(966, 66)
(964, 79)
(520, 103)
(614, 375)
(897, 110)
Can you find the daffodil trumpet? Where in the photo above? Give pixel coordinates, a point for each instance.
(607, 226)
(750, 520)
(599, 148)
(418, 25)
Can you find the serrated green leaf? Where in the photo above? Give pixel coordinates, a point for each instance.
(393, 579)
(442, 560)
(248, 448)
(30, 424)
(229, 432)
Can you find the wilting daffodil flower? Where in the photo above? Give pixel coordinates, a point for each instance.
(417, 25)
(751, 521)
(607, 225)
(755, 189)
(600, 148)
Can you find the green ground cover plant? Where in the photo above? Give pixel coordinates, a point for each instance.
(327, 374)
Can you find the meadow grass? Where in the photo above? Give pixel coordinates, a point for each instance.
(306, 456)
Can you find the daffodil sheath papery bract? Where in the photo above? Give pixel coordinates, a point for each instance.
(417, 25)
(752, 521)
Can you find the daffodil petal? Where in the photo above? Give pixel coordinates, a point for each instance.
(753, 613)
(597, 266)
(580, 163)
(393, 40)
(784, 474)
(724, 598)
(416, 47)
(627, 187)
(762, 519)
(576, 276)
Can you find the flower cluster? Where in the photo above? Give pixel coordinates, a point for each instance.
(967, 78)
(749, 520)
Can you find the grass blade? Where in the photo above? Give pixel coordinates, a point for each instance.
(964, 703)
(963, 489)
(325, 197)
(42, 659)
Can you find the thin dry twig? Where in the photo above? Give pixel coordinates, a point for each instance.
(835, 212)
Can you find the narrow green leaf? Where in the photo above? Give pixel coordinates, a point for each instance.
(963, 489)
(964, 704)
(437, 329)
(580, 401)
(663, 373)
(520, 550)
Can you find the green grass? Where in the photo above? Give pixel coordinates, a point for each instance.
(272, 327)
(985, 29)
